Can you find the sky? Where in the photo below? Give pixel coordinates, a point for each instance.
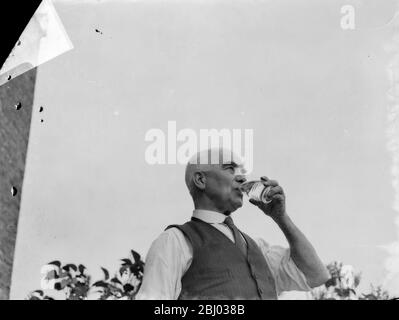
(314, 95)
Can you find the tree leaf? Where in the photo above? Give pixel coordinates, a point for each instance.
(55, 263)
(72, 266)
(69, 266)
(100, 284)
(135, 255)
(106, 273)
(81, 268)
(123, 268)
(128, 287)
(58, 286)
(127, 261)
(116, 280)
(330, 282)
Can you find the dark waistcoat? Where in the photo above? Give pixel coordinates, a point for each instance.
(219, 270)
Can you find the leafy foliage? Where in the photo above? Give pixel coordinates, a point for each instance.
(75, 283)
(343, 285)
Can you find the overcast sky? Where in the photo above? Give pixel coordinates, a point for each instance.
(313, 94)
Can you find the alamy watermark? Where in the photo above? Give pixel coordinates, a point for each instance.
(177, 147)
(348, 17)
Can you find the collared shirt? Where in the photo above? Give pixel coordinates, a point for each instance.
(171, 254)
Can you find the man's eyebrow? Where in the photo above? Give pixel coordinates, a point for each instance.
(231, 163)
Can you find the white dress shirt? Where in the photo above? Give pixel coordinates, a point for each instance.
(171, 254)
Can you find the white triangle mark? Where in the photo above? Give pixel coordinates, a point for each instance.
(43, 39)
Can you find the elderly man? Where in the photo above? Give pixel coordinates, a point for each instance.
(209, 258)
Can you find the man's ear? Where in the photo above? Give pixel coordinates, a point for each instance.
(199, 180)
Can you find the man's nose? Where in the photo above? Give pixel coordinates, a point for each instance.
(240, 178)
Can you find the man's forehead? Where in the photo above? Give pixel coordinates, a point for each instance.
(217, 156)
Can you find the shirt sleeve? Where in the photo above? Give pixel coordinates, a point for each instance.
(287, 275)
(167, 260)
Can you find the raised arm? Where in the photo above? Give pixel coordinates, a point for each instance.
(302, 251)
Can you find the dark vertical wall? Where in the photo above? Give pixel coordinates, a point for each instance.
(14, 136)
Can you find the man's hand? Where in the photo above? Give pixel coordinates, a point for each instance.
(276, 208)
(302, 251)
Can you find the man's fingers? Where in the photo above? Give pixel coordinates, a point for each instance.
(272, 183)
(264, 178)
(278, 196)
(254, 202)
(275, 190)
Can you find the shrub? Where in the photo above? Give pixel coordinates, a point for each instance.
(343, 285)
(76, 284)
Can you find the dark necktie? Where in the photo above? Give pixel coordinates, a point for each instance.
(240, 243)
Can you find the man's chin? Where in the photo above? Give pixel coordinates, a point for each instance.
(238, 204)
